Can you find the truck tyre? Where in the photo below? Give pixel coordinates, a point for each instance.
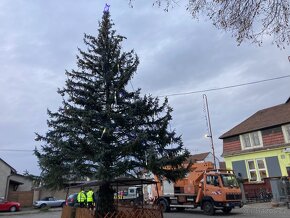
(227, 210)
(208, 208)
(162, 204)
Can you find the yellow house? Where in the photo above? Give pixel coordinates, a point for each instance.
(259, 147)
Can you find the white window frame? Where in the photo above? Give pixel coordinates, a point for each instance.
(251, 170)
(256, 170)
(251, 140)
(261, 169)
(286, 135)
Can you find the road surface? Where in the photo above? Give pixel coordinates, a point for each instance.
(197, 213)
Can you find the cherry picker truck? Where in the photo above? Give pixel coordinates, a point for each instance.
(205, 187)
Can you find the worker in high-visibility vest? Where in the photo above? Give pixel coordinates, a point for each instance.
(90, 198)
(82, 198)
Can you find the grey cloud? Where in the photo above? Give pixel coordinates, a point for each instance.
(177, 54)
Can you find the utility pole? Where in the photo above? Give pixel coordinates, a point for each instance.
(209, 127)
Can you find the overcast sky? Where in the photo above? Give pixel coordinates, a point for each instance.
(39, 40)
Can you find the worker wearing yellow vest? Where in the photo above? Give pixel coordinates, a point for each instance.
(82, 198)
(90, 198)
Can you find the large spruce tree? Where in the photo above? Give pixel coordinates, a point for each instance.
(104, 129)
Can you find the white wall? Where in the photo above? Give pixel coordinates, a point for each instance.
(4, 173)
(27, 183)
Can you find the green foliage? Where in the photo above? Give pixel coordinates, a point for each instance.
(102, 130)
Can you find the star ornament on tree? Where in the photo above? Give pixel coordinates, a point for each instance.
(107, 8)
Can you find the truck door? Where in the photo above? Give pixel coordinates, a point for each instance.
(213, 187)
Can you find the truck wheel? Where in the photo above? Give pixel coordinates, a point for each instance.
(162, 204)
(227, 210)
(208, 208)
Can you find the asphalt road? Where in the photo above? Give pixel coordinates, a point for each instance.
(237, 213)
(197, 213)
(48, 214)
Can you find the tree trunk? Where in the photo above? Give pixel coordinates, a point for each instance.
(105, 199)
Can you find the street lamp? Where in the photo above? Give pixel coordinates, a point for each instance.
(209, 128)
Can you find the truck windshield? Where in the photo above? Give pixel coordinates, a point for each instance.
(229, 180)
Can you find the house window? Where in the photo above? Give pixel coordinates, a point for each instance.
(286, 132)
(261, 168)
(257, 169)
(252, 170)
(251, 140)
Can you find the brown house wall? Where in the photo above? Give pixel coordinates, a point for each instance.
(232, 144)
(273, 136)
(25, 198)
(59, 194)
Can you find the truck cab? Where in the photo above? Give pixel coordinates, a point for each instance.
(219, 190)
(205, 187)
(132, 195)
(133, 192)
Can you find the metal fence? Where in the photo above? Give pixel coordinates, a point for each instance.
(259, 195)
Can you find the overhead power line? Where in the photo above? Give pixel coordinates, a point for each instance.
(17, 150)
(224, 87)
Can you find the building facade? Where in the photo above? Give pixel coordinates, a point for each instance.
(259, 147)
(204, 157)
(10, 180)
(5, 172)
